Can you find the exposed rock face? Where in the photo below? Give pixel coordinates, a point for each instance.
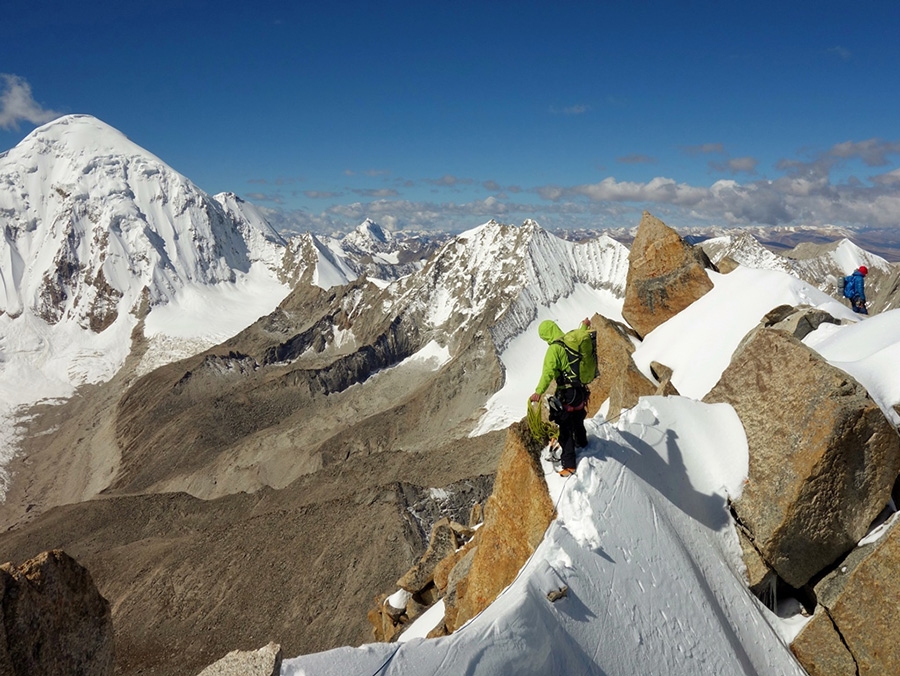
(263, 662)
(665, 275)
(663, 374)
(856, 613)
(468, 578)
(727, 264)
(629, 386)
(615, 345)
(423, 584)
(823, 458)
(54, 620)
(516, 516)
(443, 543)
(821, 651)
(799, 321)
(620, 380)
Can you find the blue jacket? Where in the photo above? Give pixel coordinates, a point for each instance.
(858, 281)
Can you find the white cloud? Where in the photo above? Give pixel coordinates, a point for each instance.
(18, 105)
(746, 165)
(659, 189)
(873, 152)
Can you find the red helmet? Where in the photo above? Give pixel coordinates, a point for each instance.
(863, 269)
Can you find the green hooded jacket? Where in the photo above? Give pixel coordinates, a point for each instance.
(556, 360)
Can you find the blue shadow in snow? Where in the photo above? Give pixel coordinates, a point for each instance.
(669, 478)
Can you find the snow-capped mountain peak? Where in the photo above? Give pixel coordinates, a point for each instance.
(92, 221)
(369, 237)
(504, 273)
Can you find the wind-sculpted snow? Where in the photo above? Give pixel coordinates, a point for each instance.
(869, 351)
(645, 548)
(503, 274)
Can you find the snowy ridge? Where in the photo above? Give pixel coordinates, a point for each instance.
(816, 264)
(746, 250)
(644, 540)
(555, 268)
(264, 244)
(643, 545)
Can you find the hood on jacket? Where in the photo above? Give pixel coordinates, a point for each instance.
(549, 331)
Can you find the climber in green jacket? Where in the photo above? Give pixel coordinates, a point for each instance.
(570, 393)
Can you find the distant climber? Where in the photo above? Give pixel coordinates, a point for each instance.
(563, 363)
(855, 291)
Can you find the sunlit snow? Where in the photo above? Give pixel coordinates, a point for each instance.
(644, 544)
(644, 540)
(200, 316)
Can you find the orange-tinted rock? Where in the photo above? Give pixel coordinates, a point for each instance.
(665, 275)
(516, 517)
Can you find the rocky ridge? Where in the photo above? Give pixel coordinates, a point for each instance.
(54, 621)
(824, 461)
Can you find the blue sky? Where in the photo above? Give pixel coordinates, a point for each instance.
(443, 115)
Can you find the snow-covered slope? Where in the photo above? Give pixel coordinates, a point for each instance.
(92, 222)
(97, 231)
(500, 275)
(698, 342)
(818, 264)
(644, 538)
(644, 545)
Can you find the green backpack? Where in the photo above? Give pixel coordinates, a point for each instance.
(582, 353)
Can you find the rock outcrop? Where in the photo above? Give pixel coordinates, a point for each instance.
(823, 458)
(855, 628)
(629, 385)
(665, 275)
(620, 380)
(663, 375)
(515, 518)
(470, 577)
(798, 321)
(442, 543)
(821, 651)
(424, 583)
(263, 662)
(54, 621)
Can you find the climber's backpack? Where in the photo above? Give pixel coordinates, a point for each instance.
(848, 287)
(582, 354)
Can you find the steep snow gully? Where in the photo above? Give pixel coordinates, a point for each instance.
(644, 545)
